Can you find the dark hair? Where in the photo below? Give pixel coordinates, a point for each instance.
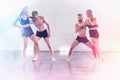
(34, 13)
(79, 14)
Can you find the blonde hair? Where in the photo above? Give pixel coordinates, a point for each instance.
(23, 10)
(89, 11)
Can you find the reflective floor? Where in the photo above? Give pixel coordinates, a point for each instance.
(81, 67)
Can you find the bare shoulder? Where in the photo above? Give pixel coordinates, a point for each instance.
(19, 18)
(41, 17)
(76, 25)
(87, 20)
(94, 18)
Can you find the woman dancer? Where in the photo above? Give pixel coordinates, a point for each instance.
(93, 32)
(26, 31)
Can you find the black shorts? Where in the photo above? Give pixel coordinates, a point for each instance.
(94, 33)
(27, 32)
(41, 34)
(82, 39)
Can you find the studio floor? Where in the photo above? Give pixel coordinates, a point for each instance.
(81, 67)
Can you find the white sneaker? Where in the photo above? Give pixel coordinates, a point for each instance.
(68, 59)
(35, 59)
(53, 59)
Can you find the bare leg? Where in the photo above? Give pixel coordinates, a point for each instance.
(50, 48)
(74, 44)
(25, 47)
(35, 49)
(36, 46)
(96, 47)
(90, 46)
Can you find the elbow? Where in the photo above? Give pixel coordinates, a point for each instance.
(75, 31)
(48, 25)
(14, 25)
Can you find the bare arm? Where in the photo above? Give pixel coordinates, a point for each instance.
(16, 21)
(48, 26)
(76, 28)
(19, 25)
(31, 21)
(92, 22)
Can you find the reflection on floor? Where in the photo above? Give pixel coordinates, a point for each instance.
(81, 67)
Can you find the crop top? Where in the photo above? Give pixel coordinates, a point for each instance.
(23, 22)
(91, 26)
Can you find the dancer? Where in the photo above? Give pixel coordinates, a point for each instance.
(80, 29)
(26, 31)
(93, 32)
(42, 32)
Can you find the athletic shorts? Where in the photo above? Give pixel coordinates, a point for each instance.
(27, 32)
(82, 39)
(94, 33)
(41, 34)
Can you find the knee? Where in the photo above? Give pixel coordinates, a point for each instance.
(25, 47)
(71, 48)
(95, 46)
(92, 47)
(36, 43)
(49, 46)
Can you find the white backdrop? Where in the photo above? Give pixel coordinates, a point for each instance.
(61, 15)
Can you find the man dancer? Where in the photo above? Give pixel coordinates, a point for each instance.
(39, 22)
(80, 29)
